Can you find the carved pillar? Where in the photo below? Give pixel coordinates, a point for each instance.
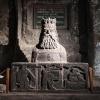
(74, 20)
(74, 29)
(95, 15)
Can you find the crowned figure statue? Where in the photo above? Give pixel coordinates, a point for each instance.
(49, 49)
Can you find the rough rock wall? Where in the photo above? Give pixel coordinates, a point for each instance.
(95, 36)
(83, 34)
(8, 32)
(4, 14)
(4, 30)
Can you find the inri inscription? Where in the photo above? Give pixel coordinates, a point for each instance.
(53, 11)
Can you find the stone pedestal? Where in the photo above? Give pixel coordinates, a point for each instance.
(49, 77)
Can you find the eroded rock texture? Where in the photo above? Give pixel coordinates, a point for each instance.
(95, 36)
(4, 15)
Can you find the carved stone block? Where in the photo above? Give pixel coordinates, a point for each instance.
(23, 77)
(75, 76)
(49, 77)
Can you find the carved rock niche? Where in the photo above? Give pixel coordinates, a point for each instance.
(30, 14)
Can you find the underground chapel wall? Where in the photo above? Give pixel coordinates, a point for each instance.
(12, 52)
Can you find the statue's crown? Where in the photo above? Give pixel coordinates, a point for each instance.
(49, 21)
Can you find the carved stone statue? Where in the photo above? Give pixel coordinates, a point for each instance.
(50, 36)
(48, 49)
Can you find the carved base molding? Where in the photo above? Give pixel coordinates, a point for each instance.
(49, 77)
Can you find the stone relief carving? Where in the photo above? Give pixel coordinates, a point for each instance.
(72, 76)
(49, 77)
(25, 78)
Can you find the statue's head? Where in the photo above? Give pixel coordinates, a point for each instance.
(49, 36)
(49, 22)
(49, 25)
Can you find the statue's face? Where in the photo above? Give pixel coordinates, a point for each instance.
(49, 28)
(49, 31)
(50, 37)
